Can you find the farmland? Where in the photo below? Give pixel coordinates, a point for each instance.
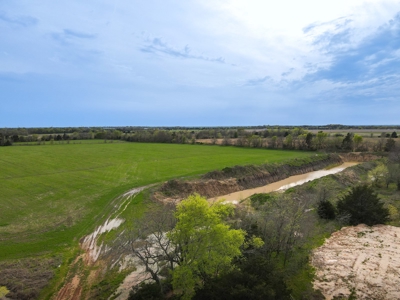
(52, 195)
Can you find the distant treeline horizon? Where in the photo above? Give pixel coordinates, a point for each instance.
(129, 129)
(327, 138)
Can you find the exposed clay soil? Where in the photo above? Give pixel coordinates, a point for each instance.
(282, 184)
(362, 259)
(72, 290)
(238, 178)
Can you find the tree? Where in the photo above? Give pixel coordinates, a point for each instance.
(394, 166)
(309, 138)
(357, 139)
(288, 143)
(320, 139)
(255, 278)
(148, 242)
(394, 134)
(205, 245)
(347, 143)
(326, 210)
(226, 141)
(380, 174)
(362, 205)
(390, 144)
(274, 141)
(280, 224)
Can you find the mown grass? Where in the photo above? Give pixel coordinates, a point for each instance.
(53, 194)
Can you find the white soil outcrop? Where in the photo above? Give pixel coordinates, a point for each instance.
(362, 259)
(89, 243)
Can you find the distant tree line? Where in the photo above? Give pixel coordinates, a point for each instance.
(129, 129)
(276, 137)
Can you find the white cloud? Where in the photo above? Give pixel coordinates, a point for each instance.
(244, 58)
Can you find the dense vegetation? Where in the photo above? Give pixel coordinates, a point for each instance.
(289, 226)
(329, 138)
(362, 206)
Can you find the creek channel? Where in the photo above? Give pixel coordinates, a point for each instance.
(282, 185)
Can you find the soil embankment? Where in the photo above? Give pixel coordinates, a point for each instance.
(284, 184)
(358, 156)
(239, 178)
(361, 260)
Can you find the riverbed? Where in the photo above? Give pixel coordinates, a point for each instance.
(284, 184)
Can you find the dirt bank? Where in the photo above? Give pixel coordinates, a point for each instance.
(282, 184)
(358, 156)
(239, 178)
(362, 259)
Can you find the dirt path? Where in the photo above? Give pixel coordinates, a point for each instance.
(362, 259)
(283, 184)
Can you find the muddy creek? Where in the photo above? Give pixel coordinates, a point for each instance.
(284, 184)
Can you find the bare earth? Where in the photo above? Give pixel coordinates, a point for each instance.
(362, 258)
(282, 184)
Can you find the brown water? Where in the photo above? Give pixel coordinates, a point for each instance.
(283, 184)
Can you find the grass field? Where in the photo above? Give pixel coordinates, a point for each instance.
(51, 195)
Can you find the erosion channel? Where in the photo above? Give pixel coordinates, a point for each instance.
(284, 184)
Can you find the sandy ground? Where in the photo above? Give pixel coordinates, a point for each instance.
(282, 184)
(133, 279)
(363, 259)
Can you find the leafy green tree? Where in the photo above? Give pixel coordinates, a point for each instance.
(380, 175)
(357, 139)
(279, 222)
(288, 143)
(320, 139)
(206, 245)
(394, 134)
(255, 277)
(274, 141)
(309, 138)
(362, 205)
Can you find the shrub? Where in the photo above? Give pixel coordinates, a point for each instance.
(326, 210)
(362, 205)
(260, 199)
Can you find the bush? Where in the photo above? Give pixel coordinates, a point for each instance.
(260, 199)
(326, 210)
(146, 291)
(254, 278)
(362, 205)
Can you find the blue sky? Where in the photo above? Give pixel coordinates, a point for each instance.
(199, 63)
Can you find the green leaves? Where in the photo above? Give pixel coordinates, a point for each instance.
(206, 244)
(362, 205)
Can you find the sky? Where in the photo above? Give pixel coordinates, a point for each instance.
(199, 63)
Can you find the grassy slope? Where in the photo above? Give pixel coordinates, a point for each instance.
(52, 195)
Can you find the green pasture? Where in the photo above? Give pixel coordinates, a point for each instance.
(51, 195)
